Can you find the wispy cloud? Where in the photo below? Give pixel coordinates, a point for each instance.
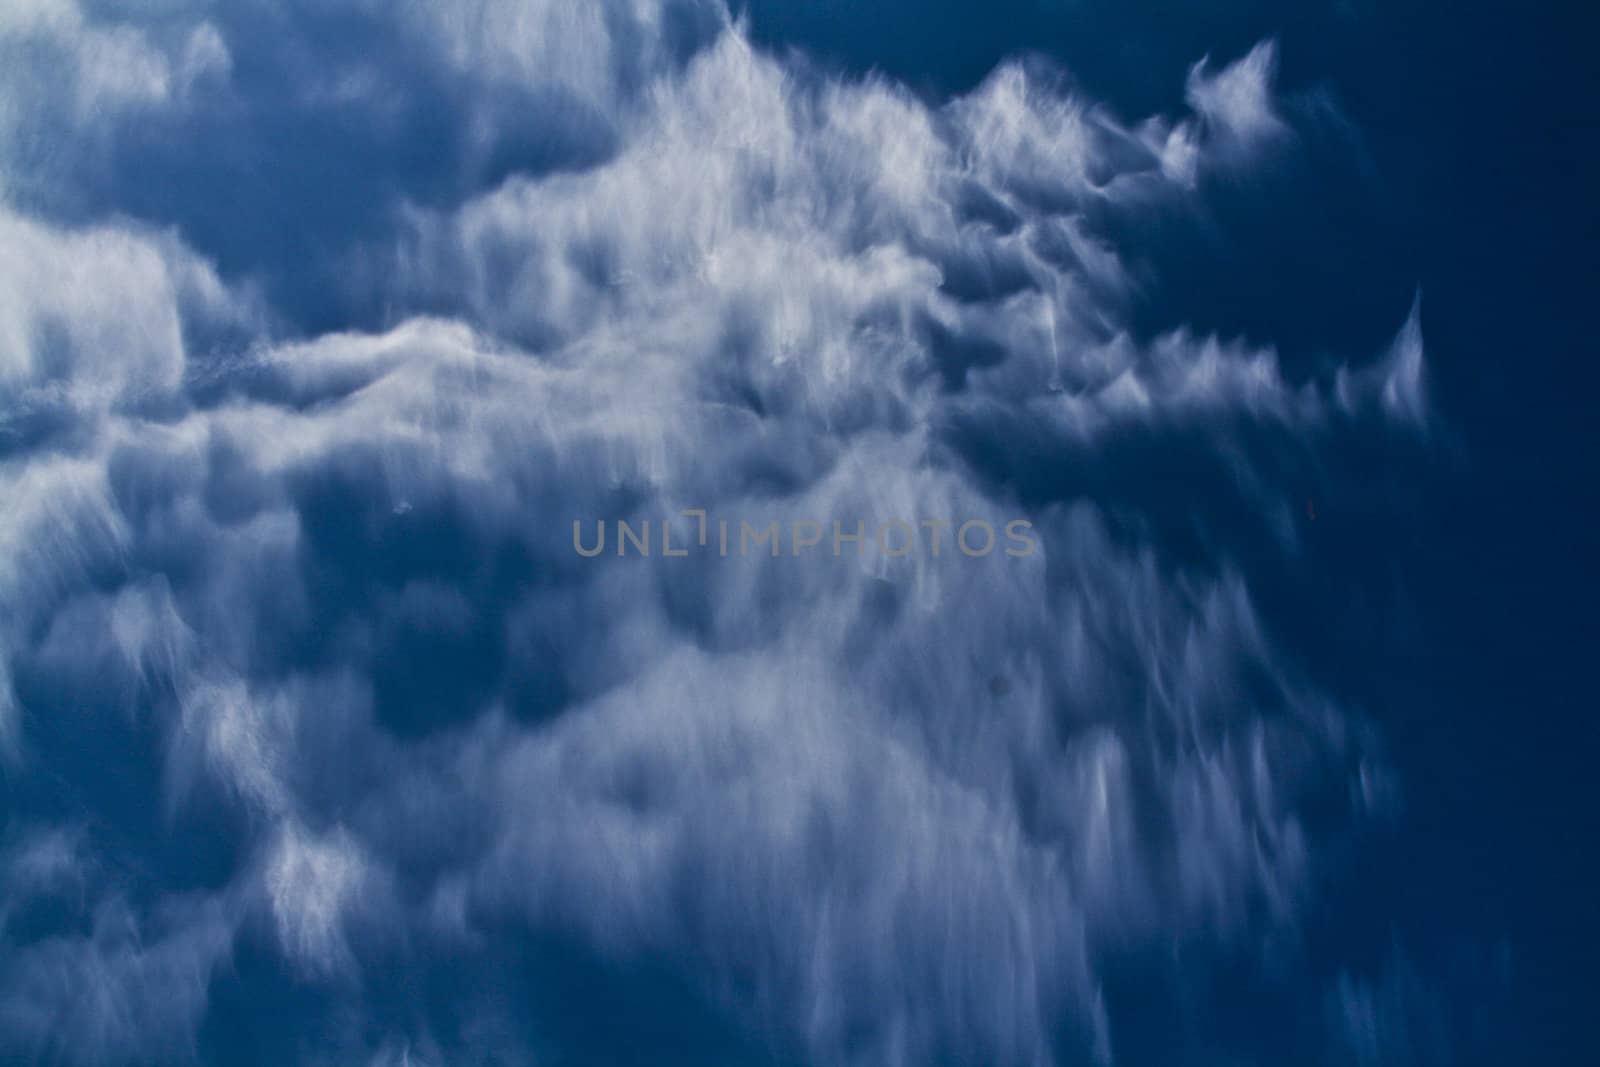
(895, 812)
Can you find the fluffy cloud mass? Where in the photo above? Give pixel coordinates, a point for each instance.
(322, 744)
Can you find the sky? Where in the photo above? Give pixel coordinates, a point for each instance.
(1254, 334)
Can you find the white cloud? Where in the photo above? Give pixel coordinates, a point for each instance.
(129, 986)
(1237, 100)
(312, 882)
(915, 805)
(106, 66)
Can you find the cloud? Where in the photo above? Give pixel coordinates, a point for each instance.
(108, 65)
(317, 587)
(96, 317)
(1236, 101)
(312, 883)
(70, 79)
(130, 988)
